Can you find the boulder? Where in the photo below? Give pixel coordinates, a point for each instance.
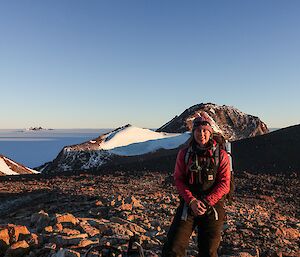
(66, 219)
(18, 249)
(4, 240)
(86, 242)
(32, 239)
(70, 232)
(69, 240)
(40, 220)
(16, 231)
(87, 228)
(58, 227)
(288, 233)
(134, 202)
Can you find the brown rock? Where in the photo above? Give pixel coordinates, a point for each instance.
(70, 240)
(118, 220)
(290, 233)
(87, 228)
(134, 202)
(18, 249)
(101, 226)
(131, 217)
(144, 237)
(132, 226)
(58, 227)
(15, 231)
(267, 198)
(125, 207)
(66, 218)
(85, 242)
(276, 254)
(112, 203)
(31, 239)
(118, 229)
(48, 229)
(69, 232)
(98, 203)
(4, 240)
(40, 220)
(279, 217)
(136, 228)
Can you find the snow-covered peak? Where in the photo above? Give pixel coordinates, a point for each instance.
(9, 167)
(131, 135)
(129, 141)
(108, 149)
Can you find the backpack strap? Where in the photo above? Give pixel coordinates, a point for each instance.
(216, 153)
(187, 155)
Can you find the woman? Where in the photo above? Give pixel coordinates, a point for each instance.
(202, 178)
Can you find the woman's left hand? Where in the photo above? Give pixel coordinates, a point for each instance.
(198, 207)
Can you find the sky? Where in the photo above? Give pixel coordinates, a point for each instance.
(107, 63)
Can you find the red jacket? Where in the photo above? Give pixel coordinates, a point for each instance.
(222, 182)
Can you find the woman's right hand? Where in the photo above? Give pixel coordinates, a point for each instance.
(198, 207)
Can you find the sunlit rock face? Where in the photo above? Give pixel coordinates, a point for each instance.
(229, 121)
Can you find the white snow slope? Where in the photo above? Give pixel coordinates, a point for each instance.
(5, 168)
(130, 141)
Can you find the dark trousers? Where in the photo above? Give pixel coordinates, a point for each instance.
(209, 233)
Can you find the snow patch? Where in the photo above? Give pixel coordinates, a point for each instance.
(4, 168)
(212, 110)
(132, 135)
(96, 160)
(140, 148)
(18, 165)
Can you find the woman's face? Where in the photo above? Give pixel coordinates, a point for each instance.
(201, 136)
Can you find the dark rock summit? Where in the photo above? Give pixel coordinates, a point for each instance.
(231, 122)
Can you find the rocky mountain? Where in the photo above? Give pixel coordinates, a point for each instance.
(120, 148)
(276, 152)
(132, 148)
(229, 121)
(9, 167)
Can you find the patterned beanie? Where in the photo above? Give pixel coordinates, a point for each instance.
(202, 122)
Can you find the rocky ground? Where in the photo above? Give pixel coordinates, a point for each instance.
(92, 215)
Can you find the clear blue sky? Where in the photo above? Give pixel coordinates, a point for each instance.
(106, 63)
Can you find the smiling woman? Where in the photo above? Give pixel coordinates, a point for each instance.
(202, 180)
